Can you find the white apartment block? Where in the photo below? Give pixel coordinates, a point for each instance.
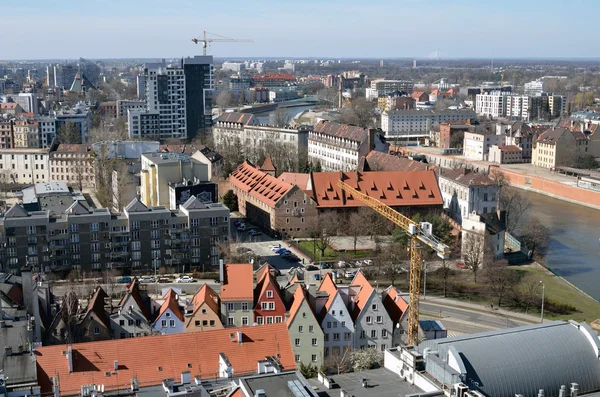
(465, 191)
(534, 88)
(47, 131)
(382, 87)
(491, 104)
(233, 66)
(476, 145)
(418, 123)
(124, 106)
(165, 94)
(517, 107)
(24, 166)
(338, 147)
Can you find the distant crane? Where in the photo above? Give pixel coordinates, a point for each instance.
(219, 39)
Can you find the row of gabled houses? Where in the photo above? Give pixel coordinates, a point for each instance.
(324, 321)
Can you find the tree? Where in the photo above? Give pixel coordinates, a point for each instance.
(529, 294)
(321, 229)
(109, 278)
(360, 112)
(473, 247)
(586, 162)
(68, 311)
(391, 259)
(354, 228)
(515, 204)
(456, 139)
(308, 370)
(69, 133)
(280, 117)
(224, 100)
(534, 236)
(230, 200)
(500, 279)
(122, 186)
(340, 359)
(366, 359)
(328, 96)
(204, 137)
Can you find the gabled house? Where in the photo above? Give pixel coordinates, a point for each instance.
(134, 317)
(372, 324)
(237, 294)
(396, 305)
(205, 313)
(269, 306)
(94, 324)
(335, 318)
(170, 318)
(305, 331)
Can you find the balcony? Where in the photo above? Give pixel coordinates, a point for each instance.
(60, 236)
(119, 254)
(122, 243)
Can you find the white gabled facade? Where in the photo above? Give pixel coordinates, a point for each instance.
(373, 325)
(338, 328)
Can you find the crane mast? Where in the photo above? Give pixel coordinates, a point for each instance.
(220, 39)
(419, 235)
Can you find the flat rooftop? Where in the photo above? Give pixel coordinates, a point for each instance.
(382, 383)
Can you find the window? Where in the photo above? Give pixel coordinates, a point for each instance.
(343, 324)
(314, 358)
(326, 337)
(278, 319)
(129, 322)
(259, 320)
(155, 224)
(244, 320)
(311, 328)
(121, 322)
(328, 324)
(271, 305)
(230, 306)
(346, 335)
(297, 358)
(300, 328)
(230, 321)
(383, 347)
(163, 323)
(269, 294)
(269, 319)
(374, 306)
(135, 225)
(379, 319)
(96, 331)
(363, 334)
(369, 320)
(264, 305)
(333, 312)
(314, 341)
(373, 333)
(297, 342)
(326, 352)
(336, 336)
(245, 306)
(384, 333)
(94, 227)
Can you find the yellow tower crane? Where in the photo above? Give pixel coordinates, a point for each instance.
(419, 235)
(219, 39)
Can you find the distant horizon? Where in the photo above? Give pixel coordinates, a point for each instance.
(462, 29)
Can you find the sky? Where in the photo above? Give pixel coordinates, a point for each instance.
(66, 29)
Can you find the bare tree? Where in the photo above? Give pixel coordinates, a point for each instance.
(321, 229)
(529, 294)
(500, 279)
(391, 259)
(122, 186)
(340, 359)
(359, 112)
(69, 133)
(68, 311)
(109, 278)
(354, 227)
(535, 236)
(515, 204)
(224, 99)
(473, 248)
(280, 118)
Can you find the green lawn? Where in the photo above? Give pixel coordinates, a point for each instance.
(330, 255)
(558, 290)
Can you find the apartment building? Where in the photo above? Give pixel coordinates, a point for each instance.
(418, 123)
(338, 147)
(519, 107)
(47, 131)
(465, 191)
(72, 164)
(558, 146)
(483, 235)
(26, 134)
(94, 239)
(287, 146)
(534, 88)
(6, 134)
(124, 106)
(80, 118)
(522, 135)
(237, 294)
(272, 203)
(24, 165)
(382, 87)
(491, 104)
(477, 142)
(305, 330)
(161, 170)
(506, 154)
(178, 96)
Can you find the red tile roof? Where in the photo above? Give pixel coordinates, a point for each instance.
(393, 188)
(239, 282)
(206, 295)
(268, 164)
(363, 294)
(258, 184)
(328, 286)
(273, 77)
(295, 178)
(299, 297)
(197, 352)
(236, 117)
(377, 161)
(347, 131)
(171, 302)
(510, 149)
(395, 304)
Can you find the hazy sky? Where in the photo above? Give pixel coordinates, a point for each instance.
(37, 29)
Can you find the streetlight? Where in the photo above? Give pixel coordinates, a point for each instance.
(543, 293)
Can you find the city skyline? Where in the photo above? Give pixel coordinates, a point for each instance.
(351, 29)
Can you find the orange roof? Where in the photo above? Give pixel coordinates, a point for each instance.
(206, 295)
(338, 130)
(236, 117)
(328, 286)
(141, 357)
(268, 164)
(510, 148)
(299, 297)
(239, 282)
(237, 392)
(417, 95)
(395, 304)
(377, 161)
(393, 188)
(295, 178)
(363, 295)
(266, 281)
(258, 184)
(172, 303)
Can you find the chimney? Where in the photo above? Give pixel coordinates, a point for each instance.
(240, 337)
(563, 391)
(135, 386)
(574, 389)
(186, 378)
(56, 386)
(116, 365)
(70, 358)
(541, 393)
(221, 271)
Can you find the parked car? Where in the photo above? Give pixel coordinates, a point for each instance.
(350, 273)
(325, 265)
(273, 247)
(185, 279)
(367, 262)
(147, 279)
(164, 280)
(281, 250)
(311, 268)
(293, 258)
(460, 265)
(241, 228)
(254, 232)
(124, 280)
(317, 277)
(342, 264)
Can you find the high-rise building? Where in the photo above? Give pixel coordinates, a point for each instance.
(64, 76)
(141, 86)
(180, 93)
(534, 88)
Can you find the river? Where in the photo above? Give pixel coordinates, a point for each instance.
(574, 249)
